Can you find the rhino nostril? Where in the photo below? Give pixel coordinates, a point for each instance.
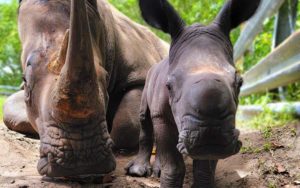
(218, 80)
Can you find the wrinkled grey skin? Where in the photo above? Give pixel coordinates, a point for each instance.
(190, 99)
(77, 55)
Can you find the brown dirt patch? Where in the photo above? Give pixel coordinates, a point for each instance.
(264, 162)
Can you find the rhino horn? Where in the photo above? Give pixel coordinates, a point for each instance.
(56, 65)
(76, 92)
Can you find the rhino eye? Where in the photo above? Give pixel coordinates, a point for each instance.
(24, 79)
(169, 82)
(239, 81)
(168, 85)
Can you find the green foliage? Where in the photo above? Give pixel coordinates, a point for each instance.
(261, 45)
(2, 99)
(198, 11)
(10, 72)
(298, 18)
(258, 99)
(191, 11)
(268, 119)
(293, 92)
(130, 8)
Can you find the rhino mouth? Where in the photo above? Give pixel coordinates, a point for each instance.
(208, 151)
(208, 142)
(75, 151)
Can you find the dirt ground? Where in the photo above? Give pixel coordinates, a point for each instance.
(269, 159)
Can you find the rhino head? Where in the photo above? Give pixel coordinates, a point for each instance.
(65, 87)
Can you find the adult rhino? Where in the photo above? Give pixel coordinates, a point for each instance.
(76, 55)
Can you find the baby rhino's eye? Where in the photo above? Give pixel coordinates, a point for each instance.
(239, 81)
(168, 85)
(170, 80)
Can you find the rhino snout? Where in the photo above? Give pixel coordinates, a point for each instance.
(210, 97)
(71, 151)
(209, 143)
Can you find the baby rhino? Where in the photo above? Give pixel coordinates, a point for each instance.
(190, 98)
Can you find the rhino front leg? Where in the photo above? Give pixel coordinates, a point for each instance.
(15, 115)
(140, 166)
(204, 173)
(171, 161)
(126, 123)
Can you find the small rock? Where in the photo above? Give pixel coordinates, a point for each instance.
(242, 173)
(276, 145)
(280, 168)
(21, 139)
(297, 182)
(23, 186)
(12, 181)
(290, 186)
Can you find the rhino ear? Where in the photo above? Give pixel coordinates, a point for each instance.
(235, 12)
(161, 15)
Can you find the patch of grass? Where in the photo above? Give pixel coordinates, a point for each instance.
(268, 119)
(272, 185)
(250, 150)
(2, 99)
(248, 147)
(267, 147)
(259, 99)
(293, 132)
(267, 132)
(265, 122)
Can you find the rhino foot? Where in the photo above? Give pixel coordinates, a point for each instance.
(156, 168)
(138, 168)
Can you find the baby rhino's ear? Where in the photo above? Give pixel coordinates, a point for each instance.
(161, 15)
(235, 12)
